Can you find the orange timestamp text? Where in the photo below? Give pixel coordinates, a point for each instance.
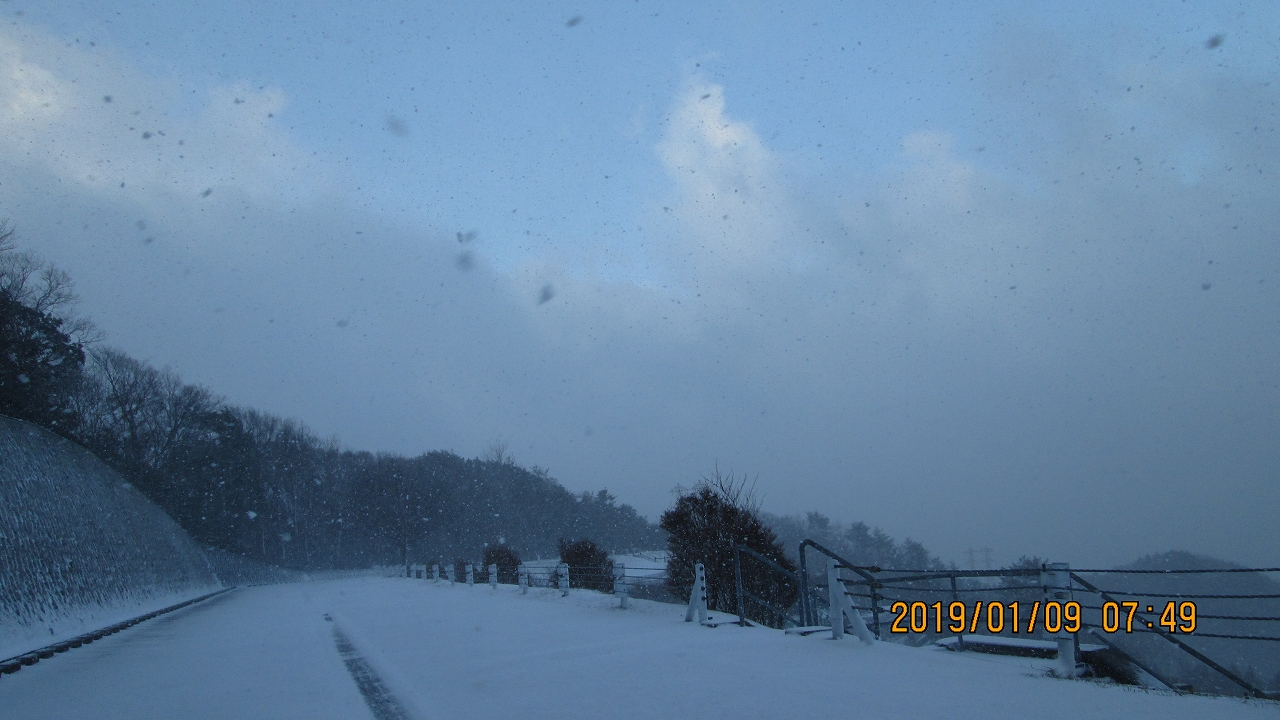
(1053, 616)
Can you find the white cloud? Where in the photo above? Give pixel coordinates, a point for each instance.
(725, 179)
(94, 121)
(854, 332)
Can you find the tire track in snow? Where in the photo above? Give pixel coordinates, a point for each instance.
(382, 703)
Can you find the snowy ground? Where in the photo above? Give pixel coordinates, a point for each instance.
(471, 652)
(643, 565)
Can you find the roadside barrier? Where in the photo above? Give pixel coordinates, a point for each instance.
(1085, 620)
(14, 664)
(929, 604)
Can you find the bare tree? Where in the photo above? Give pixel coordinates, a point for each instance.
(152, 412)
(498, 452)
(734, 490)
(41, 286)
(88, 401)
(131, 401)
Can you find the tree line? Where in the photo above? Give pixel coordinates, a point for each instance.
(267, 487)
(857, 542)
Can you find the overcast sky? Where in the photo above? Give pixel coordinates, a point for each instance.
(982, 274)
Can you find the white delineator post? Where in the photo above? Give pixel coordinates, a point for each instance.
(842, 607)
(620, 583)
(1056, 578)
(562, 579)
(522, 577)
(471, 575)
(698, 596)
(493, 577)
(435, 572)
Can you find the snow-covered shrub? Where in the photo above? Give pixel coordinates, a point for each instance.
(703, 527)
(507, 560)
(589, 565)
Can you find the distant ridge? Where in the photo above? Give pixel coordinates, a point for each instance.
(1178, 560)
(1256, 661)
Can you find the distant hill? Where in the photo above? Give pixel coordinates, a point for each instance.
(1256, 661)
(1178, 560)
(1234, 583)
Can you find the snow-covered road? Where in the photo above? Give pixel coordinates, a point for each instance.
(441, 651)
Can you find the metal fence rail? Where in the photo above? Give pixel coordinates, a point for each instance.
(644, 583)
(908, 605)
(752, 605)
(878, 592)
(1154, 627)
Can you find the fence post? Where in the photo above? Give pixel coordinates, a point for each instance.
(737, 584)
(875, 606)
(835, 599)
(841, 607)
(806, 612)
(448, 573)
(471, 575)
(1056, 578)
(522, 578)
(620, 583)
(493, 577)
(698, 596)
(562, 579)
(955, 597)
(435, 572)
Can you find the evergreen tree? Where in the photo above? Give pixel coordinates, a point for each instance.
(507, 560)
(589, 564)
(39, 366)
(703, 526)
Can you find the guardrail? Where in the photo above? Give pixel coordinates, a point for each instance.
(1041, 611)
(1167, 623)
(16, 663)
(1160, 609)
(782, 617)
(644, 583)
